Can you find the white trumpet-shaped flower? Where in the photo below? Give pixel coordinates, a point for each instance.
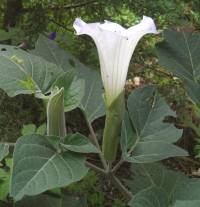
(115, 46)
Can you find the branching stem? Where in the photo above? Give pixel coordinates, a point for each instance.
(121, 187)
(96, 168)
(94, 140)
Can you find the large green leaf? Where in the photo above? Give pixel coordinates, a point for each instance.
(187, 204)
(74, 89)
(92, 103)
(155, 174)
(180, 54)
(22, 72)
(52, 200)
(175, 185)
(150, 197)
(79, 143)
(4, 150)
(155, 197)
(43, 200)
(39, 166)
(154, 138)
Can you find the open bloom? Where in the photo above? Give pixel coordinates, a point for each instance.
(115, 46)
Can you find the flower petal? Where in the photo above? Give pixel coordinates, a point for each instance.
(146, 26)
(111, 27)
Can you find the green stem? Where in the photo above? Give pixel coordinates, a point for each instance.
(114, 116)
(94, 140)
(121, 187)
(96, 168)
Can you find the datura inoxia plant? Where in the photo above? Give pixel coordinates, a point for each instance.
(135, 128)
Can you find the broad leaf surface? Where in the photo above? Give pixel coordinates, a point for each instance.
(187, 204)
(43, 200)
(154, 138)
(74, 89)
(180, 54)
(37, 166)
(51, 200)
(150, 197)
(24, 73)
(155, 174)
(79, 143)
(92, 103)
(175, 185)
(4, 150)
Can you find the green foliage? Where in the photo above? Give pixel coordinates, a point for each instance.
(180, 54)
(25, 73)
(154, 184)
(44, 16)
(187, 204)
(32, 129)
(52, 200)
(91, 186)
(154, 138)
(92, 103)
(150, 197)
(79, 143)
(38, 165)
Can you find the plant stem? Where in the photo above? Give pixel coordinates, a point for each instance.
(96, 168)
(117, 166)
(121, 187)
(94, 140)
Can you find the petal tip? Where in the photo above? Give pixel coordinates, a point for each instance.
(149, 22)
(78, 25)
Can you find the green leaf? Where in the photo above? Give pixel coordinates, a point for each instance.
(74, 95)
(4, 35)
(79, 143)
(52, 200)
(154, 137)
(92, 103)
(74, 90)
(155, 174)
(43, 200)
(155, 197)
(188, 190)
(180, 53)
(150, 197)
(175, 185)
(4, 150)
(41, 129)
(187, 204)
(32, 129)
(24, 73)
(28, 129)
(38, 166)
